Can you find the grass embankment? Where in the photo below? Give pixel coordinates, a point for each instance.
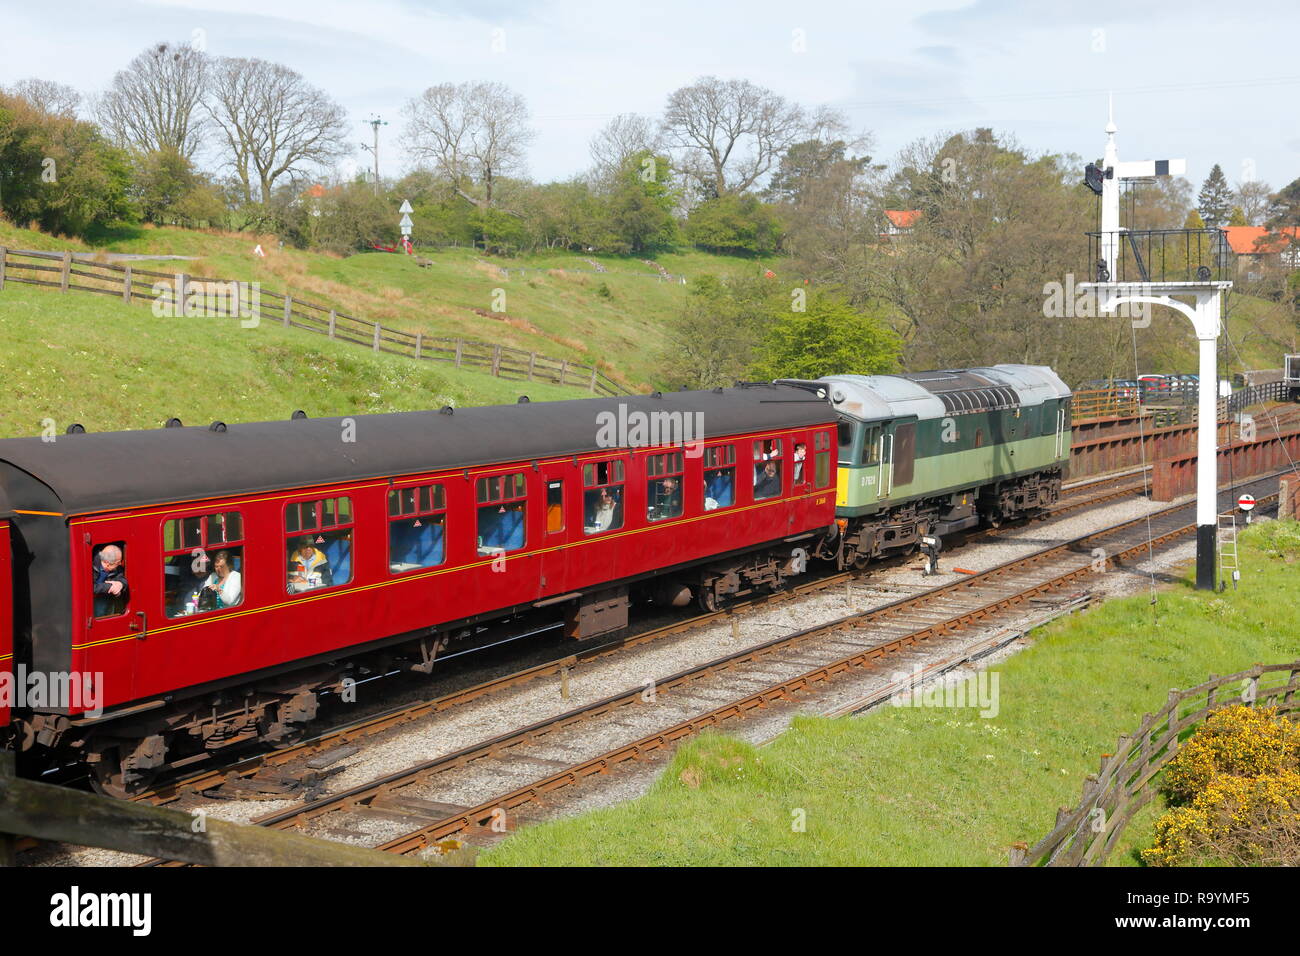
(943, 786)
(558, 307)
(86, 358)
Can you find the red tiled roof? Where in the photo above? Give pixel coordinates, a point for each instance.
(1245, 239)
(903, 218)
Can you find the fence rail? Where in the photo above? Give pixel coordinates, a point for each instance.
(1086, 834)
(60, 270)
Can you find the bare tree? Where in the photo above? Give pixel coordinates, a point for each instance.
(473, 133)
(622, 137)
(274, 123)
(56, 99)
(729, 133)
(154, 103)
(1253, 198)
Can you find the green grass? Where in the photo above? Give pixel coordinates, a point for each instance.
(87, 358)
(615, 319)
(942, 786)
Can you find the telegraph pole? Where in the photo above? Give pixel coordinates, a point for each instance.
(375, 122)
(1203, 312)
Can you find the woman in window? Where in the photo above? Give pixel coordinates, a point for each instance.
(603, 517)
(224, 581)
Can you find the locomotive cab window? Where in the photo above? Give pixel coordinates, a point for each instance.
(501, 513)
(719, 477)
(602, 496)
(203, 563)
(664, 487)
(871, 446)
(318, 542)
(110, 589)
(417, 522)
(767, 468)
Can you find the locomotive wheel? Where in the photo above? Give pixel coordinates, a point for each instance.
(708, 600)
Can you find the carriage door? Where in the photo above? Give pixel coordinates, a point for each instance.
(556, 518)
(110, 617)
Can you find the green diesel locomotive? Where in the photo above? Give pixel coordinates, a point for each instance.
(931, 453)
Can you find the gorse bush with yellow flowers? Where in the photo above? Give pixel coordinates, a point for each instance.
(1234, 793)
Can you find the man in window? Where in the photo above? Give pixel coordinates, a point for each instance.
(800, 453)
(768, 484)
(668, 499)
(308, 566)
(110, 581)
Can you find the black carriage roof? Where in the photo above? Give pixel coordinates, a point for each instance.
(109, 470)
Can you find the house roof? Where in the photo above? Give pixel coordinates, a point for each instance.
(903, 218)
(1246, 239)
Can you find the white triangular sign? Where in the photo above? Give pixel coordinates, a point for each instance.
(406, 207)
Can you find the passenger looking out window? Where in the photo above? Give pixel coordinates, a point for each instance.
(308, 566)
(767, 480)
(108, 577)
(318, 543)
(664, 489)
(192, 583)
(800, 453)
(602, 496)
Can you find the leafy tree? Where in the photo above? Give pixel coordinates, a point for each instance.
(830, 337)
(1194, 220)
(1215, 199)
(59, 172)
(1284, 207)
(168, 189)
(1238, 217)
(641, 205)
(712, 341)
(735, 224)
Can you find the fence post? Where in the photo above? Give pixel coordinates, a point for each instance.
(377, 331)
(496, 360)
(532, 363)
(334, 318)
(126, 284)
(182, 284)
(288, 308)
(593, 380)
(67, 272)
(8, 841)
(419, 344)
(3, 252)
(460, 345)
(564, 370)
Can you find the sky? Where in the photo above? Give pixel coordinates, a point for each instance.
(1208, 82)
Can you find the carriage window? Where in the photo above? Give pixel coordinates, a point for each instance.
(318, 543)
(554, 506)
(602, 496)
(845, 430)
(664, 487)
(767, 468)
(110, 590)
(501, 513)
(822, 465)
(416, 527)
(719, 477)
(203, 563)
(904, 453)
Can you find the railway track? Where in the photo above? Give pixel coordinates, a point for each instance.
(423, 802)
(1088, 494)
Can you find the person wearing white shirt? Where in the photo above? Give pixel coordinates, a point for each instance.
(225, 581)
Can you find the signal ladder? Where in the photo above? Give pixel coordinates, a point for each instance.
(1227, 541)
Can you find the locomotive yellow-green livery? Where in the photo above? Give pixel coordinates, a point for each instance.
(931, 453)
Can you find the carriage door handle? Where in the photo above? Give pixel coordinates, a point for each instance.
(142, 627)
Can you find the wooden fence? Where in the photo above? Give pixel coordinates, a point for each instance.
(175, 290)
(1098, 404)
(1086, 834)
(29, 808)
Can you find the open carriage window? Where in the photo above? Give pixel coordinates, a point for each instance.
(318, 542)
(203, 563)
